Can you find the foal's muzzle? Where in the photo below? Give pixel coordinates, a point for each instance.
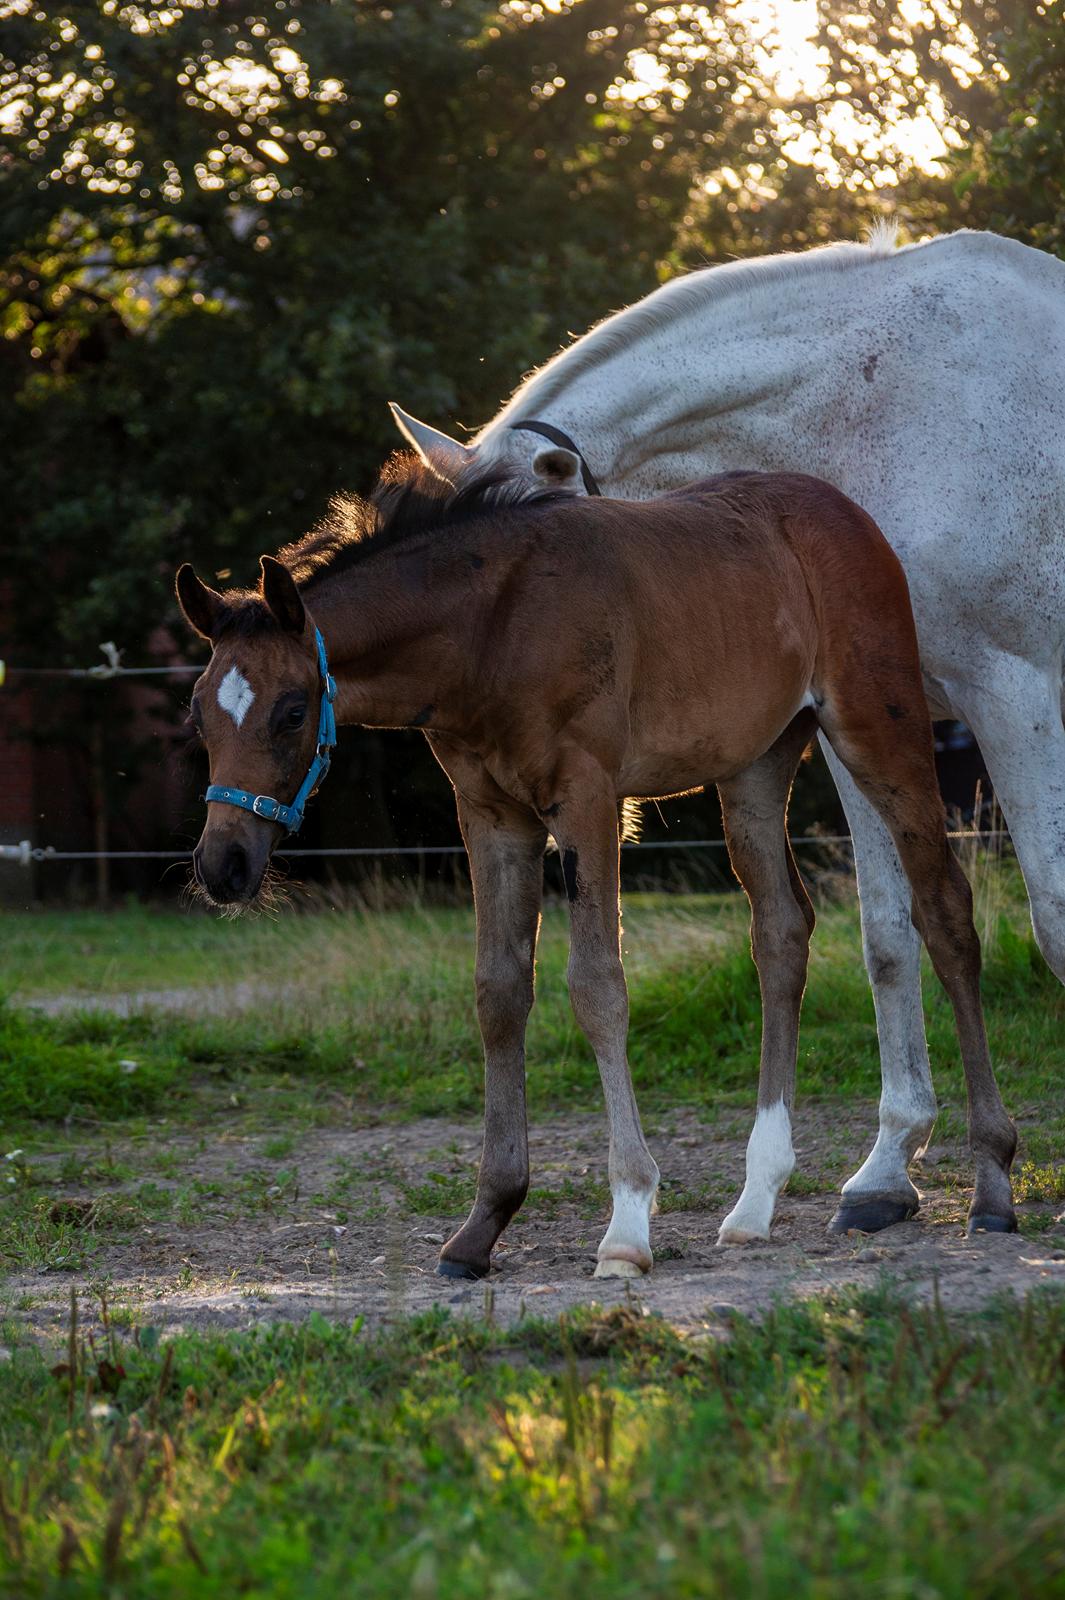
(228, 870)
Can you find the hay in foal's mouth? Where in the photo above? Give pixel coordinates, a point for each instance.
(274, 892)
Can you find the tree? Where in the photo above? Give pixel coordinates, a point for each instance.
(227, 238)
(1024, 159)
(990, 74)
(225, 241)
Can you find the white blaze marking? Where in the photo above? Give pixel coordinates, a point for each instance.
(235, 695)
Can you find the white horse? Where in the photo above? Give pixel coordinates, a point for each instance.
(929, 384)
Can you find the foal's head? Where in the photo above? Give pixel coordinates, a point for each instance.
(256, 709)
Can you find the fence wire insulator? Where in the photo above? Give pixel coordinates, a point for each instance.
(113, 657)
(110, 668)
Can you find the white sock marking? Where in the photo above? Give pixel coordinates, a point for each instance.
(626, 1247)
(770, 1162)
(235, 695)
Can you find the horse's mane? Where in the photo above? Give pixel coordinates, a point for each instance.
(408, 499)
(688, 294)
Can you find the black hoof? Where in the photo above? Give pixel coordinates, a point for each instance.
(872, 1215)
(990, 1223)
(459, 1269)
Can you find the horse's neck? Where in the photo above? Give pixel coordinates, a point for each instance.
(390, 641)
(751, 378)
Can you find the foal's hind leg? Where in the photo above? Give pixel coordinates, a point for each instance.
(754, 809)
(883, 736)
(506, 850)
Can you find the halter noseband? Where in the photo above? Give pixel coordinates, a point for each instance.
(556, 436)
(291, 816)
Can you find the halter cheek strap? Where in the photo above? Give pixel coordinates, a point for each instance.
(547, 430)
(263, 805)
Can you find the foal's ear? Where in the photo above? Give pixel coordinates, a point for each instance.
(281, 595)
(202, 608)
(558, 467)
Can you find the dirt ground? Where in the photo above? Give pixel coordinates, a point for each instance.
(347, 1224)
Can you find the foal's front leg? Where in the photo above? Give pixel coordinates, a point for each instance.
(585, 827)
(506, 851)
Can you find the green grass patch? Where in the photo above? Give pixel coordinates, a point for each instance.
(57, 1069)
(379, 1007)
(1033, 1182)
(847, 1447)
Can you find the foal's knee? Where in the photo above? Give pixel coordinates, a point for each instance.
(780, 945)
(599, 997)
(504, 1000)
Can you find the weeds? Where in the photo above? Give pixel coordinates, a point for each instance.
(1032, 1182)
(853, 1445)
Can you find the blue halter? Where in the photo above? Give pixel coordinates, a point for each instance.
(291, 816)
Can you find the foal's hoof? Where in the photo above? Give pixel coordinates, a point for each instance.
(460, 1269)
(619, 1267)
(989, 1222)
(874, 1213)
(728, 1235)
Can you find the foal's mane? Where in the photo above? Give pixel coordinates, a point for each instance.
(409, 499)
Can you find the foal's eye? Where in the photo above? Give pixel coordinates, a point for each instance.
(295, 716)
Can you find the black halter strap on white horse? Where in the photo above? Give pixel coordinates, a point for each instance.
(556, 436)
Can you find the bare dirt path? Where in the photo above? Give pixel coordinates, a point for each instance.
(221, 1000)
(244, 1229)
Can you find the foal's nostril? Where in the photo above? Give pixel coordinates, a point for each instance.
(197, 865)
(235, 870)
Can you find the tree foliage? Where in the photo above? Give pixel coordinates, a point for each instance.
(1025, 157)
(990, 74)
(227, 239)
(228, 236)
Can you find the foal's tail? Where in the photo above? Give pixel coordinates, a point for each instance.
(630, 821)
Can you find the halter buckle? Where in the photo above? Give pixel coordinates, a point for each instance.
(259, 806)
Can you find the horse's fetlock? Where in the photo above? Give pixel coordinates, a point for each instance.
(995, 1137)
(505, 1196)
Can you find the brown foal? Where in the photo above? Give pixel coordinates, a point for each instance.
(561, 654)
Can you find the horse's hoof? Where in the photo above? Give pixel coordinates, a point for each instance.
(619, 1267)
(460, 1269)
(872, 1215)
(989, 1222)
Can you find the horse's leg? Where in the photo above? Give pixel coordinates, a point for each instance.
(585, 827)
(506, 861)
(881, 1192)
(882, 733)
(1014, 709)
(754, 810)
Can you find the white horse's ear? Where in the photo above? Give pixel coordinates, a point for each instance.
(559, 467)
(442, 455)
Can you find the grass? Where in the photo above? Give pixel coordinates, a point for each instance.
(852, 1447)
(380, 1007)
